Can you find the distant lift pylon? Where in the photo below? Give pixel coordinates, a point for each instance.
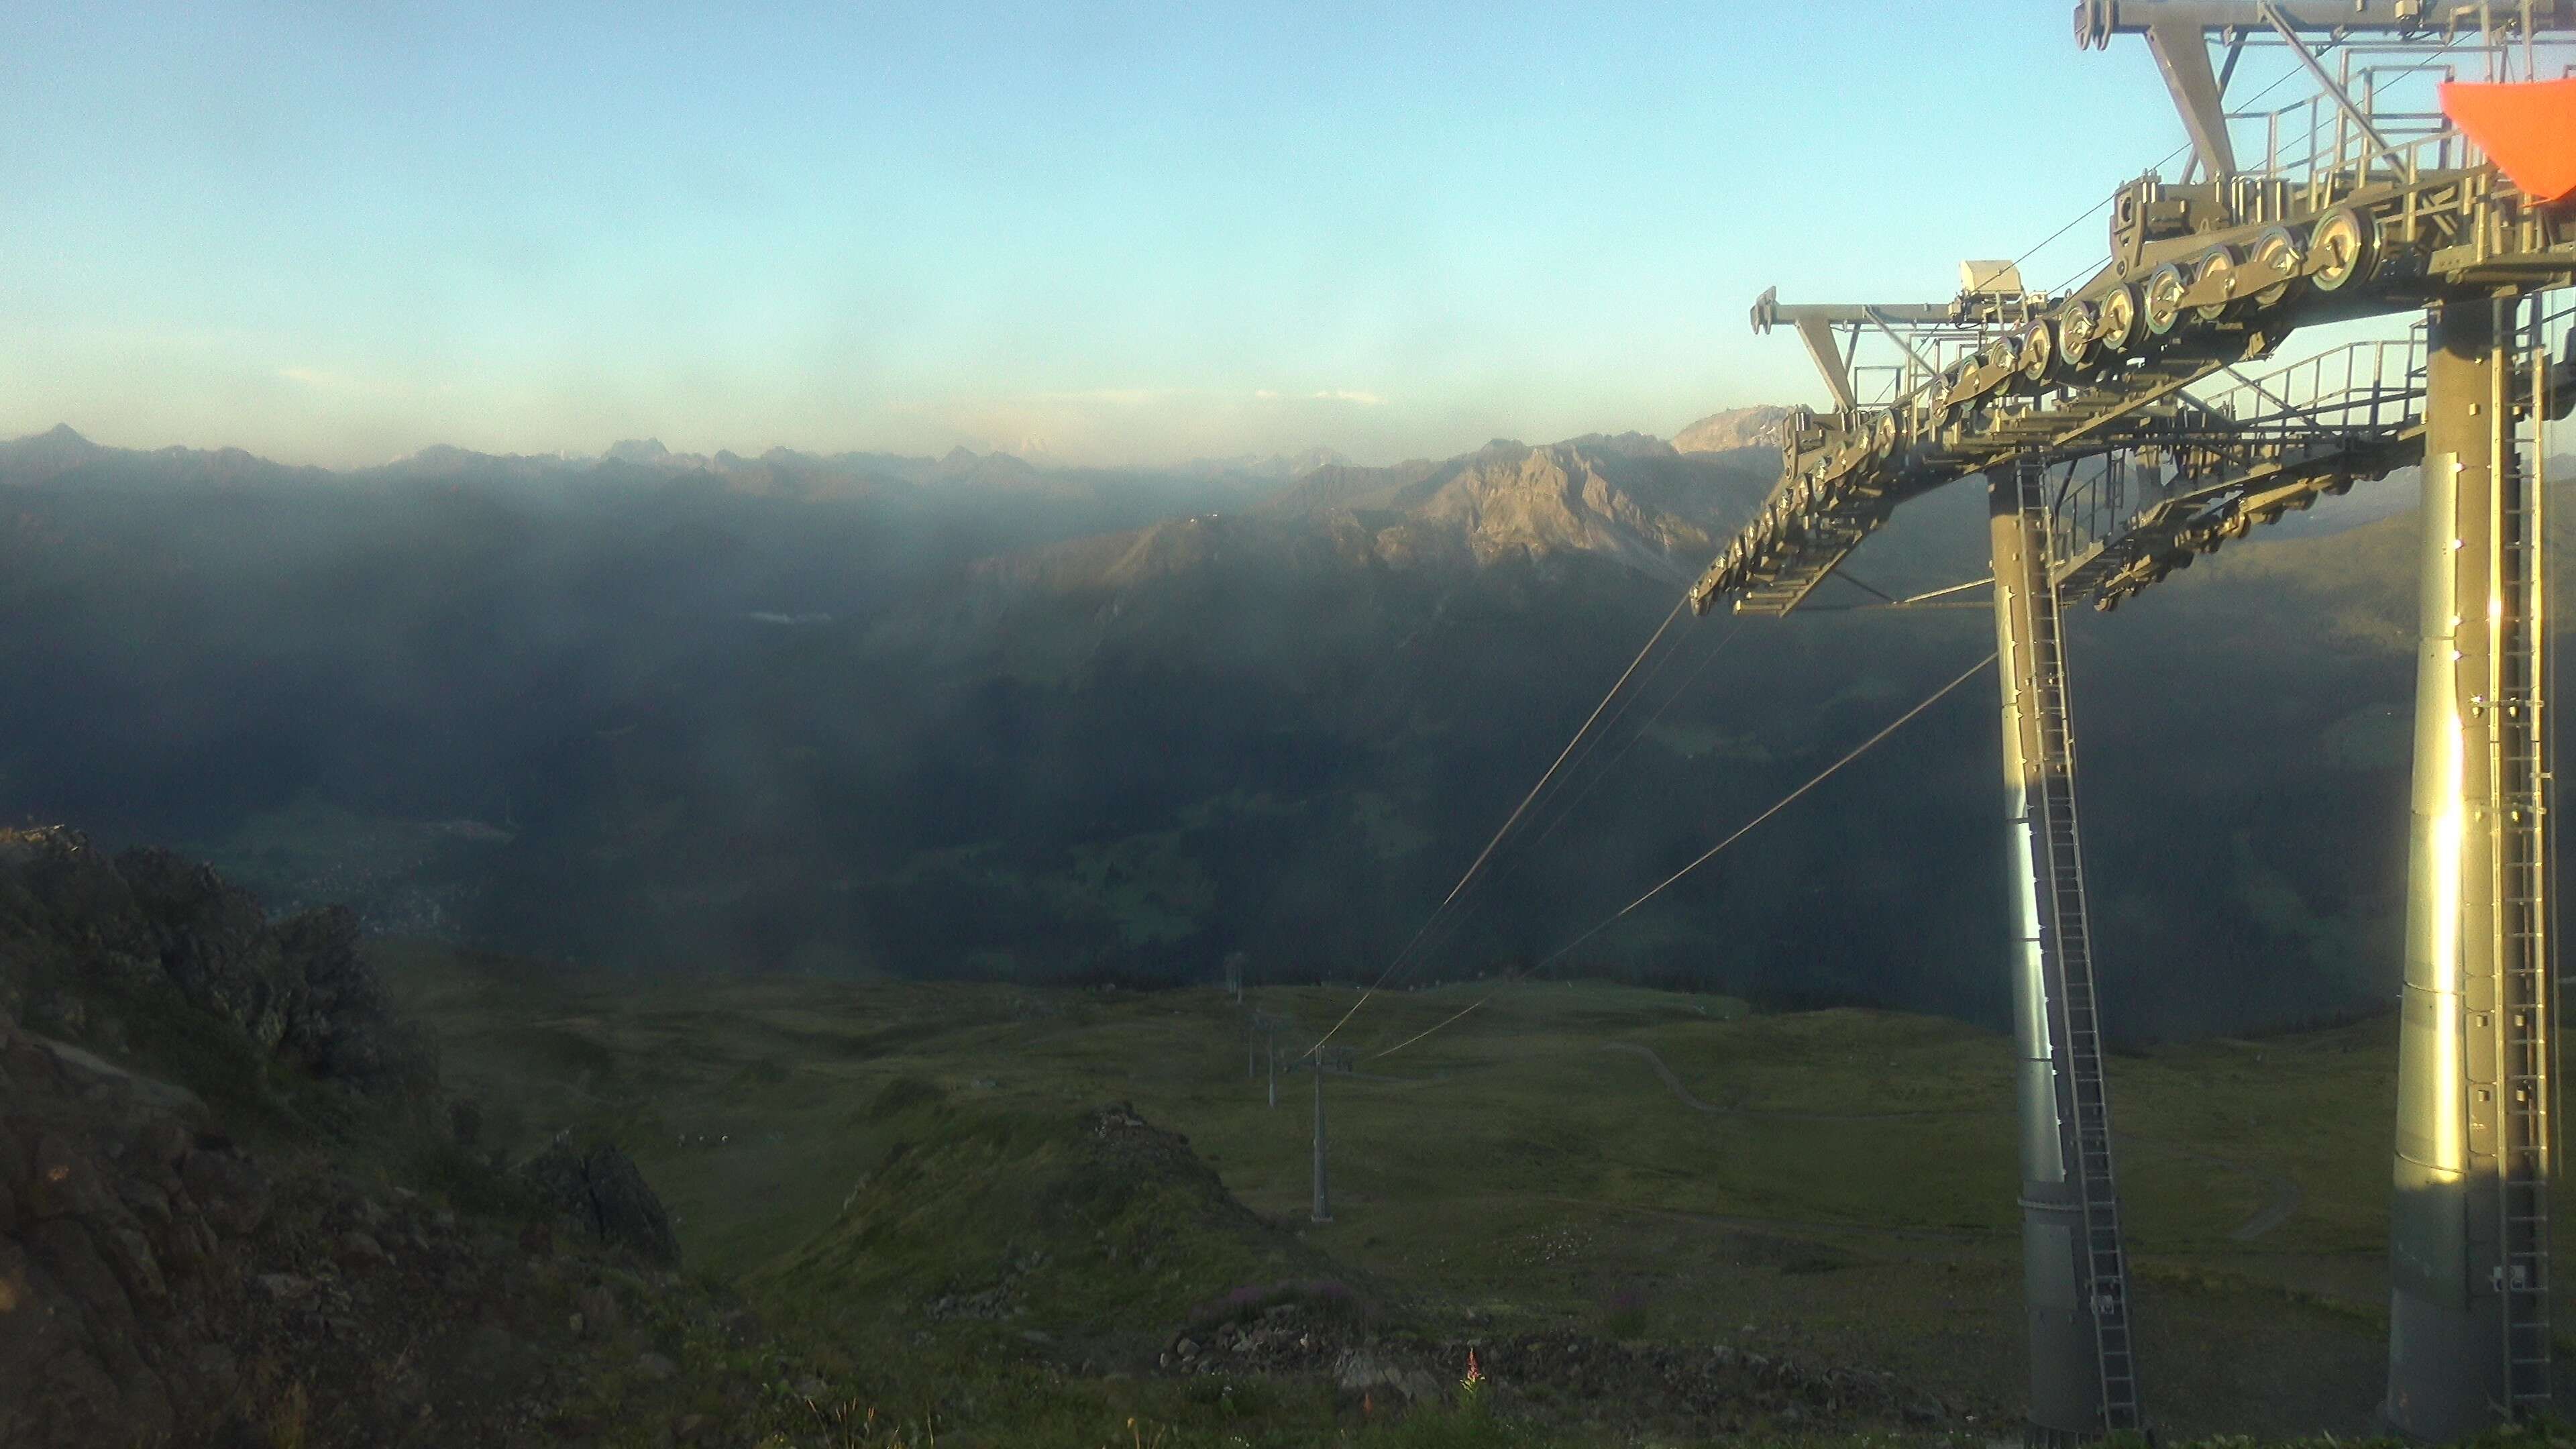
(2120, 440)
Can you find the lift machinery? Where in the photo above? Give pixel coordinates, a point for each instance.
(2121, 437)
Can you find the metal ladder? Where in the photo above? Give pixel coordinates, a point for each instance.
(2052, 806)
(2518, 785)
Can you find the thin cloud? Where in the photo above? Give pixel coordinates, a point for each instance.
(322, 381)
(1111, 396)
(1347, 396)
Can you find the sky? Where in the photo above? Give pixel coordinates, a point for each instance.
(1096, 233)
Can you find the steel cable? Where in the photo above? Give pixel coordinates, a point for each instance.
(1520, 855)
(1513, 819)
(1611, 766)
(1704, 857)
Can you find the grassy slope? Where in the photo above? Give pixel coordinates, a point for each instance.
(1527, 1164)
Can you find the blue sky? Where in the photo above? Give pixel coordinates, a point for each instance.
(339, 232)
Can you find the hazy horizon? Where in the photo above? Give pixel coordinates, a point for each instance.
(1129, 236)
(1033, 458)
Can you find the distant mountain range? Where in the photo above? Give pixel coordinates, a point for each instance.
(976, 716)
(1631, 497)
(1554, 501)
(779, 472)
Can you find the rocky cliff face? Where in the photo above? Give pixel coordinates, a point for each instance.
(1568, 498)
(1629, 498)
(144, 932)
(122, 1216)
(163, 1284)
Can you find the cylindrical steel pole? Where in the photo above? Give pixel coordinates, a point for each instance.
(2082, 1375)
(2470, 1177)
(1274, 1069)
(1323, 1202)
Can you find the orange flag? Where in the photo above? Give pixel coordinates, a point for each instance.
(2529, 127)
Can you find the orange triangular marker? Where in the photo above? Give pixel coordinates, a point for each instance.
(2529, 127)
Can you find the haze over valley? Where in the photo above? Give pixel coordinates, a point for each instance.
(870, 716)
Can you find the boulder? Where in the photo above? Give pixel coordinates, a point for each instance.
(598, 1306)
(1363, 1372)
(602, 1190)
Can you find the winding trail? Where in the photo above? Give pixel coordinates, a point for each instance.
(1801, 1227)
(1394, 1081)
(2284, 1200)
(2285, 1196)
(1696, 1105)
(2287, 1199)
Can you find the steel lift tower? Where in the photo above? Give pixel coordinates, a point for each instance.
(2120, 439)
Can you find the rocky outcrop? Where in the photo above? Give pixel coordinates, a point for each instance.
(343, 1027)
(212, 939)
(122, 1220)
(601, 1190)
(77, 927)
(161, 1287)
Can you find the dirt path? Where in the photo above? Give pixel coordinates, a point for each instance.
(1696, 1105)
(2284, 1200)
(2284, 1196)
(1394, 1081)
(1801, 1227)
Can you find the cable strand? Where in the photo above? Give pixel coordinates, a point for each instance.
(1704, 857)
(1517, 811)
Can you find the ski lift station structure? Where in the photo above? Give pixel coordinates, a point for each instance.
(2428, 167)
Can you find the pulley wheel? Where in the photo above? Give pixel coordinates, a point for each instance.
(2038, 350)
(2342, 248)
(2075, 333)
(2115, 322)
(2218, 266)
(2277, 257)
(2161, 308)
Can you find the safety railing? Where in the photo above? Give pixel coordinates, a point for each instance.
(2395, 127)
(2365, 387)
(2360, 395)
(2363, 402)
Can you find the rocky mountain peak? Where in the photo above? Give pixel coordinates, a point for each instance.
(1563, 498)
(61, 436)
(58, 449)
(1719, 432)
(1628, 445)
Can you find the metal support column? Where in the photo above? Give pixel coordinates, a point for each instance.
(1323, 1202)
(2083, 1375)
(2468, 1335)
